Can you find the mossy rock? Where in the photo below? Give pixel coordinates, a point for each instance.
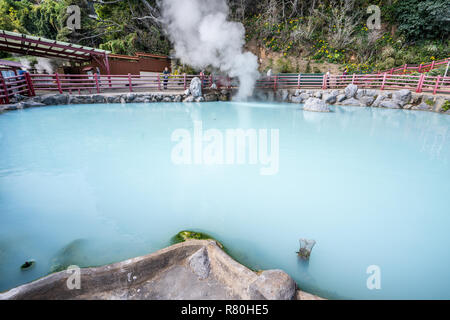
(193, 235)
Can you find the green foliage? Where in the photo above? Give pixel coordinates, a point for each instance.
(284, 65)
(192, 235)
(308, 67)
(429, 102)
(437, 72)
(419, 19)
(446, 106)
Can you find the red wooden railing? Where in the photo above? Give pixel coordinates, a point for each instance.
(421, 68)
(27, 84)
(76, 83)
(9, 87)
(419, 83)
(100, 83)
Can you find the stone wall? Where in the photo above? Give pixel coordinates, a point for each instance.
(143, 97)
(354, 96)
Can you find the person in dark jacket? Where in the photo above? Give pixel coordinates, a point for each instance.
(166, 73)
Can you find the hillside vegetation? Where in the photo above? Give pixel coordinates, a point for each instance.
(288, 35)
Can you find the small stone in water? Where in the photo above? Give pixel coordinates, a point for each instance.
(27, 265)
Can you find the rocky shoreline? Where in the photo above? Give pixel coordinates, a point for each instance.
(313, 100)
(191, 270)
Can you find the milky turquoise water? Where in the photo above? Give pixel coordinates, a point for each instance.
(371, 186)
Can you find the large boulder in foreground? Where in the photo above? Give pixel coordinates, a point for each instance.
(190, 270)
(195, 88)
(316, 105)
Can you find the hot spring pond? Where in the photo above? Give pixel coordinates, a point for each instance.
(95, 184)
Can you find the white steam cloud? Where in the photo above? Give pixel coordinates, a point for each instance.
(203, 36)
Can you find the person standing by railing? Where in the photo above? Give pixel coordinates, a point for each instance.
(166, 73)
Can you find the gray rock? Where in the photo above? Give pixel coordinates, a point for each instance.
(298, 92)
(341, 97)
(335, 93)
(130, 97)
(422, 106)
(199, 263)
(318, 94)
(9, 107)
(329, 98)
(440, 101)
(210, 97)
(351, 102)
(273, 285)
(55, 99)
(196, 87)
(402, 97)
(379, 99)
(199, 99)
(177, 98)
(316, 105)
(407, 106)
(31, 104)
(189, 99)
(98, 98)
(367, 100)
(351, 90)
(390, 104)
(296, 99)
(167, 99)
(305, 96)
(187, 92)
(366, 92)
(415, 98)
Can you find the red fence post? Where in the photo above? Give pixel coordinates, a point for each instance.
(420, 68)
(275, 83)
(436, 86)
(130, 84)
(353, 78)
(420, 83)
(324, 81)
(384, 81)
(58, 83)
(185, 83)
(5, 89)
(432, 65)
(31, 92)
(159, 82)
(96, 82)
(392, 70)
(405, 67)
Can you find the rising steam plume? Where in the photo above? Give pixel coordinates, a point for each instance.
(203, 36)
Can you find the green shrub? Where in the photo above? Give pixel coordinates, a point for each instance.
(283, 65)
(446, 106)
